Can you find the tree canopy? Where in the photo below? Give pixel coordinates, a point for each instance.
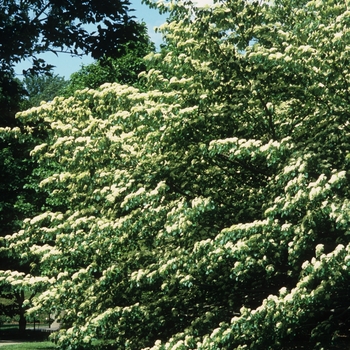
(210, 211)
(30, 27)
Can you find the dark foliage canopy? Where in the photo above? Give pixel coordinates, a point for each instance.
(31, 27)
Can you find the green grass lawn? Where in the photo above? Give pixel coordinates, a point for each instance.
(46, 345)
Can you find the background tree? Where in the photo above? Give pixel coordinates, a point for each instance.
(20, 198)
(124, 69)
(11, 95)
(42, 88)
(210, 211)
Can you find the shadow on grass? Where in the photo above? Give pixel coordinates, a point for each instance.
(29, 339)
(29, 335)
(28, 346)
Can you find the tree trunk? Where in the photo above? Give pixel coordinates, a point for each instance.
(21, 311)
(22, 321)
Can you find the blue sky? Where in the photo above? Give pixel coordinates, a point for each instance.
(65, 64)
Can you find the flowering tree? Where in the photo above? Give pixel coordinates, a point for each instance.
(211, 211)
